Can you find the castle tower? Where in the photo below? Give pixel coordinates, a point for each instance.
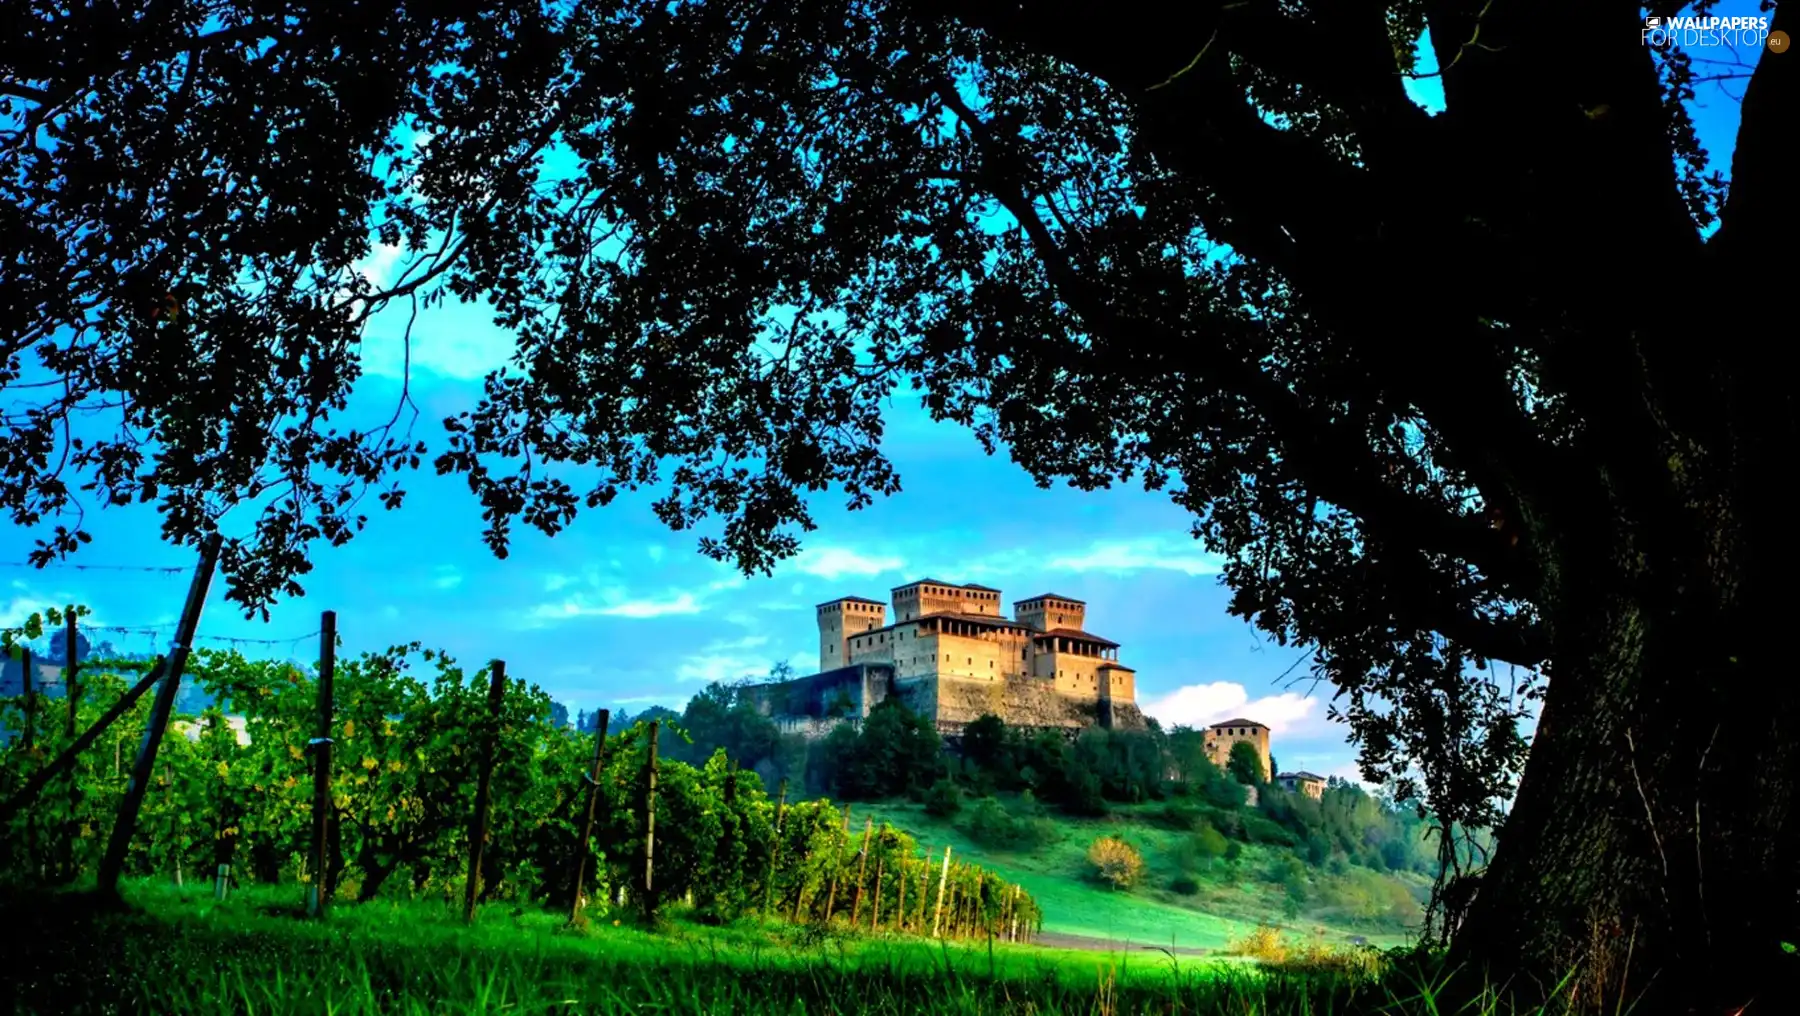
(840, 619)
(1050, 612)
(931, 596)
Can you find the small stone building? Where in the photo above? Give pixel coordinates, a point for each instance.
(1310, 784)
(1221, 736)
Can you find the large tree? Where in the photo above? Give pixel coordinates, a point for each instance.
(1497, 386)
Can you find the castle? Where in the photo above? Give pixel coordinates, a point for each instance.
(951, 654)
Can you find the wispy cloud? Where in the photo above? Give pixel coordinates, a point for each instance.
(615, 602)
(729, 660)
(448, 577)
(838, 562)
(1165, 554)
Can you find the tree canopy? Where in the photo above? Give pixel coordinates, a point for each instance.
(1400, 365)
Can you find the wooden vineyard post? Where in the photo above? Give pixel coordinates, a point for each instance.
(875, 906)
(862, 871)
(837, 866)
(937, 915)
(1012, 916)
(113, 863)
(775, 848)
(587, 825)
(316, 897)
(900, 907)
(71, 692)
(28, 739)
(169, 803)
(649, 896)
(222, 882)
(484, 786)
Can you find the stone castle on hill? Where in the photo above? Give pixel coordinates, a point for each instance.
(950, 654)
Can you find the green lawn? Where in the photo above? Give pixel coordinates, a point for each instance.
(1226, 909)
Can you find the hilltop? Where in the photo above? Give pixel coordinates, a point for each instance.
(1028, 804)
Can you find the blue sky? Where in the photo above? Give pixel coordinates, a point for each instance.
(618, 611)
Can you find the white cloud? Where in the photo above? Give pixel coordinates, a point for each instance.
(1162, 554)
(655, 550)
(837, 562)
(448, 577)
(1198, 705)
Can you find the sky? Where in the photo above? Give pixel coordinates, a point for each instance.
(617, 611)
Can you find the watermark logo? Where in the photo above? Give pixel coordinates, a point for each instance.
(1708, 32)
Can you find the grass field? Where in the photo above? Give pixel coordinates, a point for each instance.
(1224, 911)
(172, 950)
(168, 950)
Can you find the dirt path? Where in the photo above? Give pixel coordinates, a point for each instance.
(1056, 940)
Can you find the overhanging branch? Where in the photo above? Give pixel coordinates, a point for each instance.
(1332, 460)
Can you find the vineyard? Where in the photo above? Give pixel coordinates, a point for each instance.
(437, 782)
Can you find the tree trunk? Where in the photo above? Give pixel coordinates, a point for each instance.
(1654, 840)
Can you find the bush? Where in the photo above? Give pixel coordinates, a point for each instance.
(1116, 862)
(1209, 842)
(990, 825)
(1177, 815)
(943, 799)
(1186, 885)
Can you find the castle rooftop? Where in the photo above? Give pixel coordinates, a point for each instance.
(852, 599)
(1239, 722)
(1051, 596)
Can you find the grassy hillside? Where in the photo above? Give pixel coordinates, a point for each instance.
(1228, 898)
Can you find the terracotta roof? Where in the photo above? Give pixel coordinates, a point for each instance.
(1239, 722)
(985, 589)
(1302, 775)
(853, 599)
(1118, 666)
(1050, 596)
(920, 582)
(1076, 633)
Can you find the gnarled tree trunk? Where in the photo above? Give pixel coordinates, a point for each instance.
(1654, 847)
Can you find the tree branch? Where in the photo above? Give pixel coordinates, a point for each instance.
(1333, 460)
(1415, 590)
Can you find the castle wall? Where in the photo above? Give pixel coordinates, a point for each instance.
(849, 691)
(969, 657)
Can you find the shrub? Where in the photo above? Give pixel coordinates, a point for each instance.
(1176, 815)
(1186, 885)
(1116, 862)
(990, 825)
(943, 799)
(1209, 842)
